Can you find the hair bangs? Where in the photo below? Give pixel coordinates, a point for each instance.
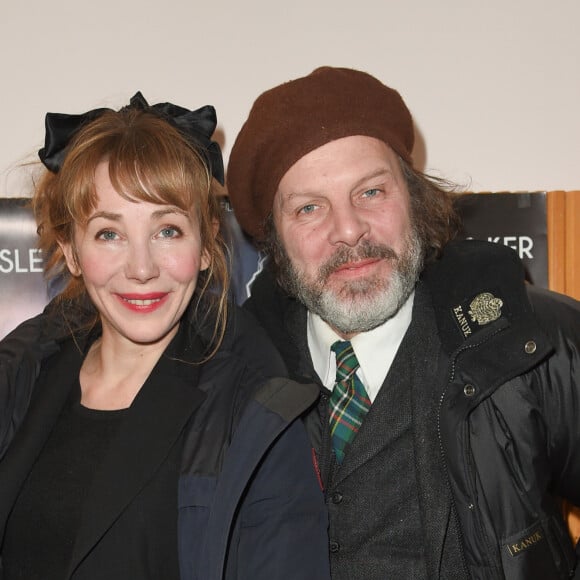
(153, 169)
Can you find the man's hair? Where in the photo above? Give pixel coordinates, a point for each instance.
(432, 210)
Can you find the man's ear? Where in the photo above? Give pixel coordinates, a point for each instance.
(70, 258)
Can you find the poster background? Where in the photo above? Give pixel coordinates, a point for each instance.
(515, 220)
(23, 291)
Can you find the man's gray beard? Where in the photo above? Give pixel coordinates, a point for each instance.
(360, 305)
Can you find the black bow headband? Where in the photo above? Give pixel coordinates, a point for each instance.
(196, 126)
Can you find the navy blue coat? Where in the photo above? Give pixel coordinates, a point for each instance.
(249, 501)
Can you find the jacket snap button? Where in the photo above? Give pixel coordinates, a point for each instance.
(469, 390)
(336, 497)
(334, 546)
(530, 347)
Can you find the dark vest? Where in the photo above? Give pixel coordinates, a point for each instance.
(375, 524)
(391, 515)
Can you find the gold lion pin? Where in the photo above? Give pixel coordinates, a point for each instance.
(485, 308)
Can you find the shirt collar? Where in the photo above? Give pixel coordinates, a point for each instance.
(385, 339)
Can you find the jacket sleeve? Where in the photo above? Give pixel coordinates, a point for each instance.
(17, 374)
(283, 520)
(557, 382)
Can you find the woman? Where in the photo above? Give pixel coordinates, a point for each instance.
(145, 434)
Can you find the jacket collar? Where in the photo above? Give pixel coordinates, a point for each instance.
(475, 286)
(488, 343)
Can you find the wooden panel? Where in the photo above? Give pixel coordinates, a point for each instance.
(573, 244)
(557, 240)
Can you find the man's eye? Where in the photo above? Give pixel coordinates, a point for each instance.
(307, 208)
(371, 192)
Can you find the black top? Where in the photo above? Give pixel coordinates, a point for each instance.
(42, 527)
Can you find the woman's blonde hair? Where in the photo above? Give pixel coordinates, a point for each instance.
(149, 160)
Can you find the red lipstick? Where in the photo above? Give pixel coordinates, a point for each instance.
(143, 303)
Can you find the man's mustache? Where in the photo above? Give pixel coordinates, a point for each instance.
(364, 251)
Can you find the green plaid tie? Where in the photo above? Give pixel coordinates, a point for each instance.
(349, 402)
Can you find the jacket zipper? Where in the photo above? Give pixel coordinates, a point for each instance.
(454, 358)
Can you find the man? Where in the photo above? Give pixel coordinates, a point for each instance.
(449, 416)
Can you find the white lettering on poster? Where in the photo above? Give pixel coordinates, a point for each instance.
(523, 245)
(15, 261)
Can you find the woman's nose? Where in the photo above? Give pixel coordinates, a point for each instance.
(141, 263)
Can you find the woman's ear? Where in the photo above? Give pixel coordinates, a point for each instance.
(205, 261)
(206, 256)
(70, 258)
(215, 225)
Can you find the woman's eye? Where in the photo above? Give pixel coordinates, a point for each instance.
(170, 232)
(106, 235)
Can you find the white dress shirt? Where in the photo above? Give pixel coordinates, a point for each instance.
(375, 349)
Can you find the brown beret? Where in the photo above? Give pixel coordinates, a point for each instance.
(294, 118)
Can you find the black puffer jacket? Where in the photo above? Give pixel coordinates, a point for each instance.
(508, 422)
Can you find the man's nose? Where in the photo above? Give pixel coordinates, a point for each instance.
(349, 225)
